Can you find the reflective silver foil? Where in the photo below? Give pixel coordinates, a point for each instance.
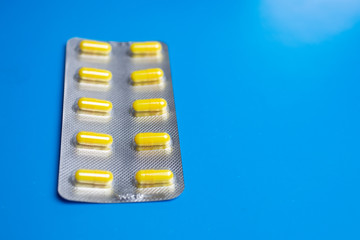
(123, 160)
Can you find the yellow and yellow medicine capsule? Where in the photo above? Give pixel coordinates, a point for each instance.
(147, 107)
(94, 105)
(146, 48)
(96, 177)
(95, 47)
(152, 141)
(147, 76)
(93, 74)
(94, 139)
(154, 177)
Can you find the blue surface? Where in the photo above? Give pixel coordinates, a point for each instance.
(267, 97)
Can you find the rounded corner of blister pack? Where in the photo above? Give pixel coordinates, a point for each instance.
(179, 193)
(63, 194)
(164, 45)
(119, 122)
(72, 40)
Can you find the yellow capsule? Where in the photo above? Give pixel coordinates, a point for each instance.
(93, 74)
(94, 139)
(147, 76)
(152, 141)
(96, 105)
(95, 47)
(97, 177)
(147, 107)
(146, 48)
(154, 177)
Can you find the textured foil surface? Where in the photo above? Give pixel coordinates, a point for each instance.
(123, 160)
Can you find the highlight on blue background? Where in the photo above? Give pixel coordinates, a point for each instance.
(267, 98)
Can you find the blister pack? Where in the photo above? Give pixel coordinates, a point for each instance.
(119, 140)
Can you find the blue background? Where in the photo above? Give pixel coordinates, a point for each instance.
(267, 96)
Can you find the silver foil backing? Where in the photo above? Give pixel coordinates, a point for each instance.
(123, 160)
